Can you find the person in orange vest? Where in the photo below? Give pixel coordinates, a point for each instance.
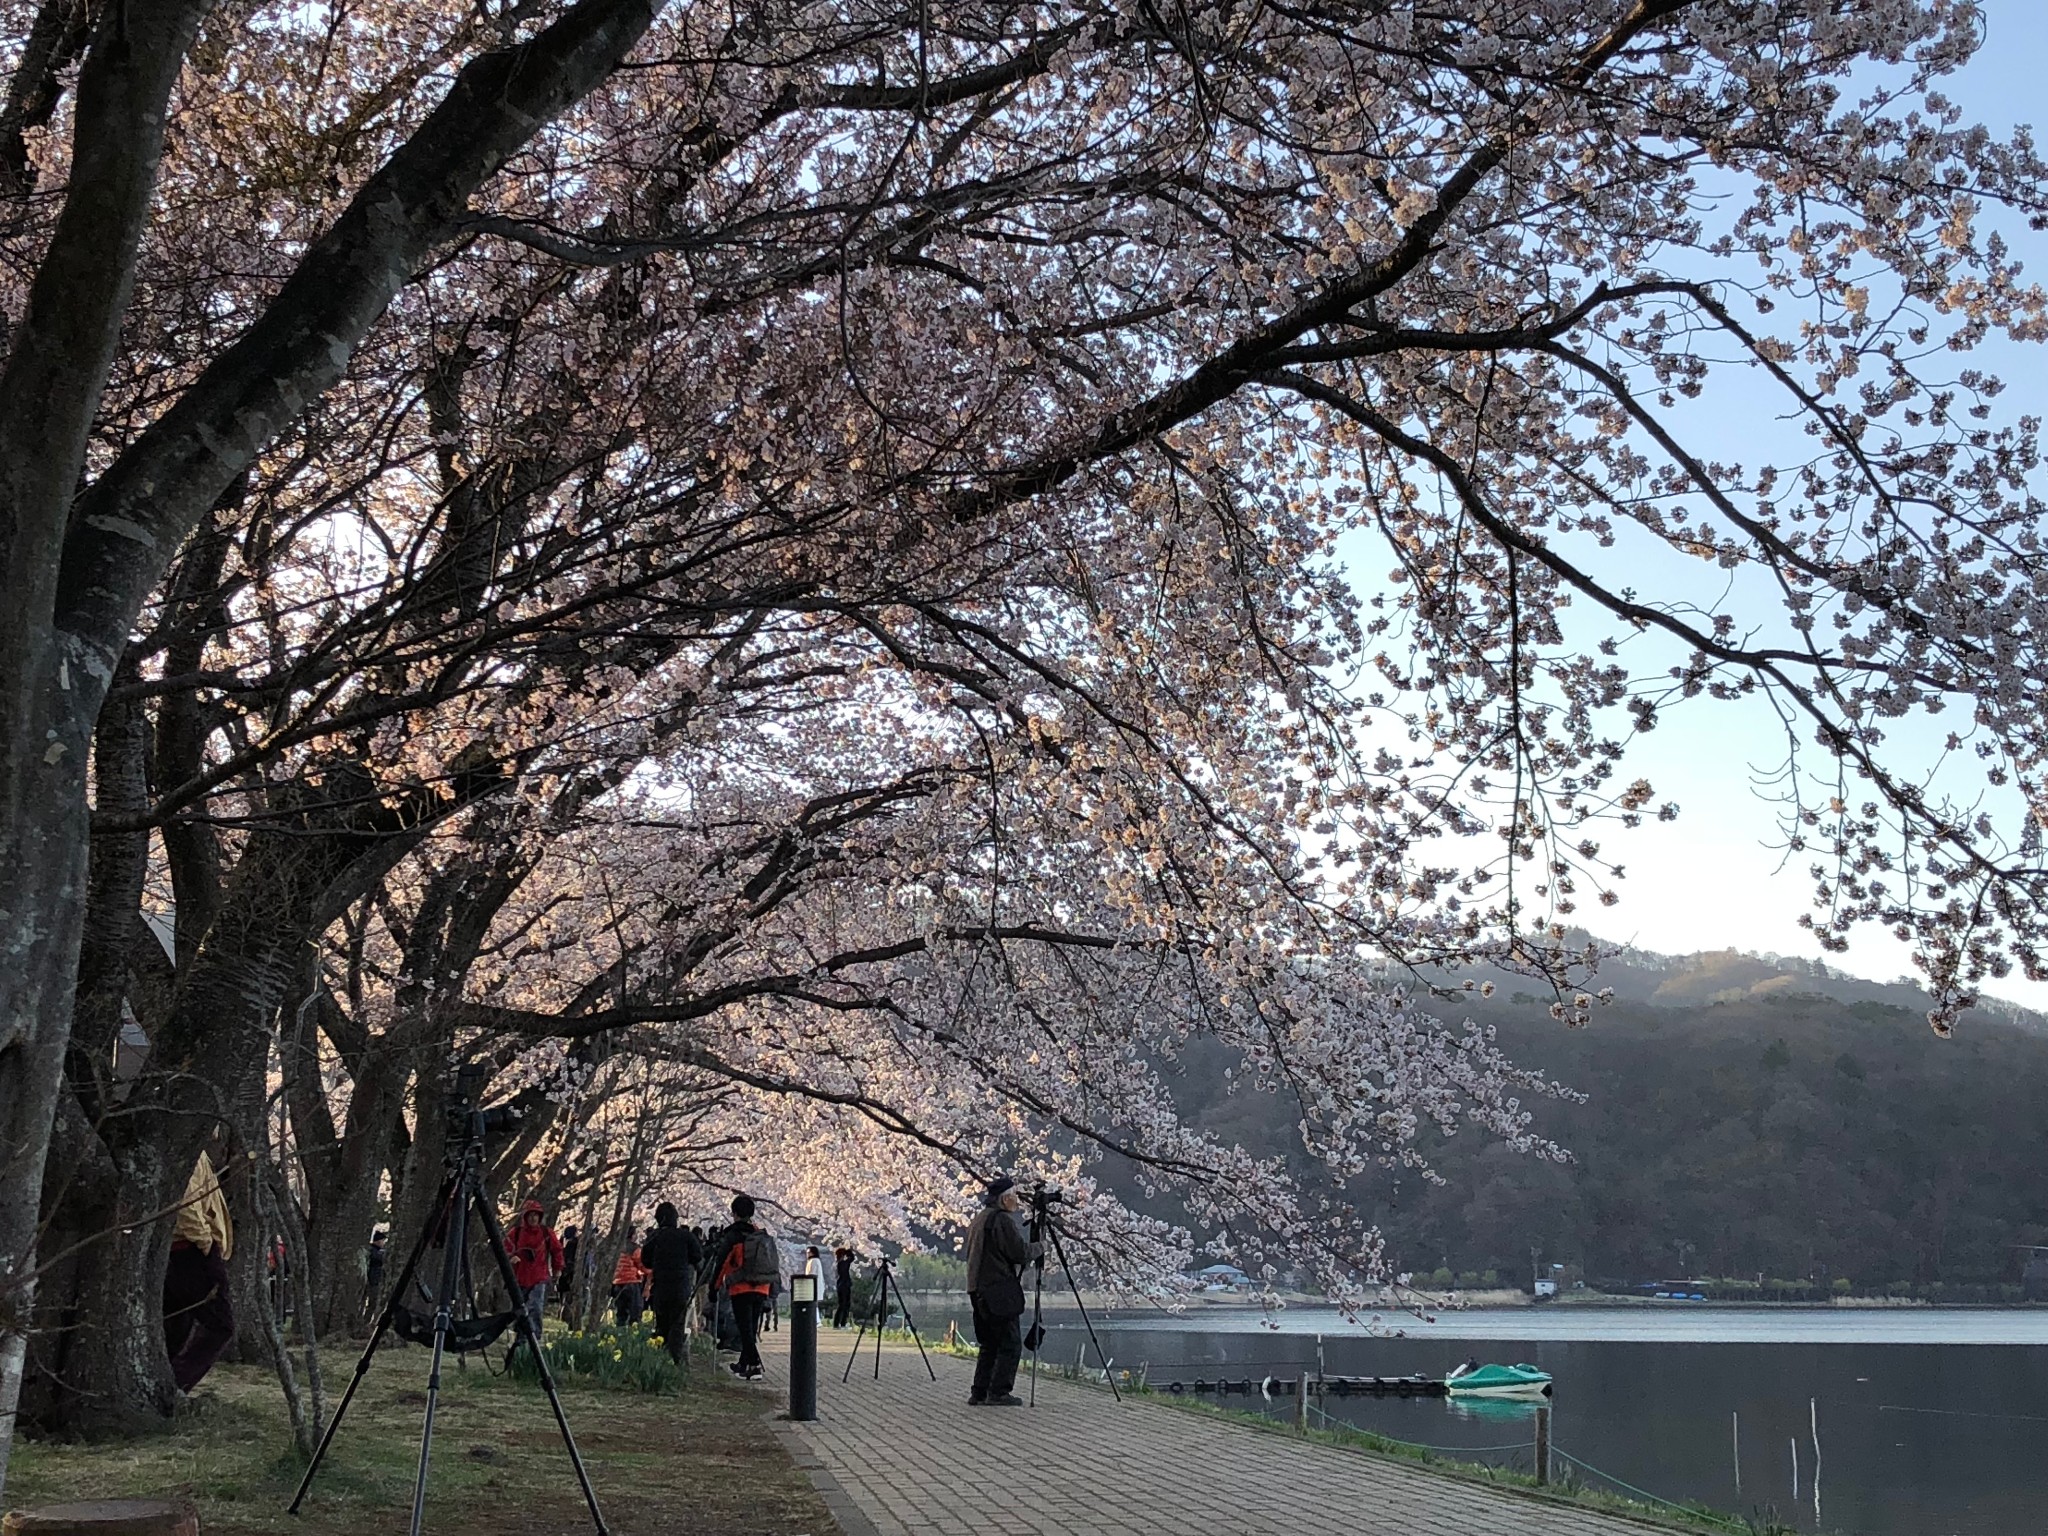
(629, 1288)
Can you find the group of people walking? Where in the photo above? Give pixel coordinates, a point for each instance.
(726, 1281)
(662, 1276)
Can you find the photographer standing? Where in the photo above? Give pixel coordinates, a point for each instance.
(997, 1251)
(842, 1285)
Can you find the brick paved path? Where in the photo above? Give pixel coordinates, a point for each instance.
(905, 1457)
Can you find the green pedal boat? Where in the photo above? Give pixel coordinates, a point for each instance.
(1471, 1380)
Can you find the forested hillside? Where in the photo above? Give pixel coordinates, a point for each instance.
(1738, 1120)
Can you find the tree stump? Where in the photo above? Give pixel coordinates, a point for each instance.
(105, 1517)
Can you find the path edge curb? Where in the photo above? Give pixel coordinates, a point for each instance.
(846, 1514)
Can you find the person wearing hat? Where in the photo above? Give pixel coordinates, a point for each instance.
(536, 1260)
(997, 1251)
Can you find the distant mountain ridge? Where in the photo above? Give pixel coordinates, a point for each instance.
(1744, 1115)
(1733, 975)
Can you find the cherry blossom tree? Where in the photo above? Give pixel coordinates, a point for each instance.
(929, 440)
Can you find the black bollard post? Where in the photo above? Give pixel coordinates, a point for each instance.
(803, 1347)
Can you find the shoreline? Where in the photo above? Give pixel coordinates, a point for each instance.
(1104, 1304)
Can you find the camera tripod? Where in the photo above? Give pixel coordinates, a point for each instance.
(885, 1277)
(1042, 1201)
(461, 1191)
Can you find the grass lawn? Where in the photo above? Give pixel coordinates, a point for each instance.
(705, 1462)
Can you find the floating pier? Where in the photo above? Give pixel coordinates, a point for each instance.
(1315, 1386)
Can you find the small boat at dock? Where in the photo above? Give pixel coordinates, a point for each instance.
(1474, 1380)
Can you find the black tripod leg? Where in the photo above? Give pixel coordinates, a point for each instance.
(444, 1319)
(523, 1321)
(847, 1374)
(384, 1321)
(1037, 1324)
(881, 1313)
(911, 1323)
(1067, 1270)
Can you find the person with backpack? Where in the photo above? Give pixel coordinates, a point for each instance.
(747, 1265)
(997, 1251)
(669, 1258)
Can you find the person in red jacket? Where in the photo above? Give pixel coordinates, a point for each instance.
(536, 1260)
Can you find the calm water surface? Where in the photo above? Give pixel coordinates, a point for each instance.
(1930, 1423)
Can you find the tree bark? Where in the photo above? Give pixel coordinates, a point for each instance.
(344, 1202)
(79, 574)
(206, 1065)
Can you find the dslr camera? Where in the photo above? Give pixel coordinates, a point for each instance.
(1042, 1198)
(467, 1121)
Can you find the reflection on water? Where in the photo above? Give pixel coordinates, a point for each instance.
(1913, 1438)
(1484, 1410)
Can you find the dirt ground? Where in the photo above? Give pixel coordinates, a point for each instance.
(706, 1463)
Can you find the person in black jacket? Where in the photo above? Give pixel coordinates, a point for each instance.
(997, 1251)
(671, 1255)
(572, 1277)
(842, 1286)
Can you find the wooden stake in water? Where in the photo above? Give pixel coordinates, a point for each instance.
(1542, 1445)
(1735, 1436)
(1813, 1418)
(1795, 1469)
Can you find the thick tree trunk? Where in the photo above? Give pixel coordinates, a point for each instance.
(42, 849)
(206, 1066)
(116, 1376)
(79, 567)
(52, 680)
(413, 1197)
(345, 1203)
(81, 1190)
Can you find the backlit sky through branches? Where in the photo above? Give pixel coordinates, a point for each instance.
(1717, 877)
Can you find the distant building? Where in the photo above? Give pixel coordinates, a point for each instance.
(1552, 1278)
(1224, 1277)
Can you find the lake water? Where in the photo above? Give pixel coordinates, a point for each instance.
(1930, 1423)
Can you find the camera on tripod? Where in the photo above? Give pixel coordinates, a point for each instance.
(1041, 1199)
(462, 1199)
(466, 1120)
